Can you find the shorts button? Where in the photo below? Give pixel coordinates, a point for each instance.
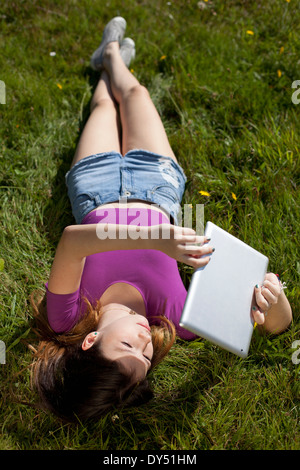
(127, 193)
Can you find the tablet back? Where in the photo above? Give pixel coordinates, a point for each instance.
(221, 294)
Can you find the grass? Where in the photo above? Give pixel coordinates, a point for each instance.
(225, 98)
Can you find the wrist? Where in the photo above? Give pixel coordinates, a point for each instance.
(159, 237)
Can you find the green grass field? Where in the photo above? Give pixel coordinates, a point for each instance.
(221, 75)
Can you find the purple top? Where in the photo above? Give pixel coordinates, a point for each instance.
(154, 274)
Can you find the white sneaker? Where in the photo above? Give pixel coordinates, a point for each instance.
(113, 31)
(127, 50)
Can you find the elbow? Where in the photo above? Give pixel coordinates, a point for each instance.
(68, 241)
(68, 233)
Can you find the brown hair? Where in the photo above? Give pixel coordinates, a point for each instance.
(73, 383)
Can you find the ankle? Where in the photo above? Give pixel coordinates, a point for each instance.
(111, 49)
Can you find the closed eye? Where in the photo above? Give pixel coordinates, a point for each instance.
(129, 346)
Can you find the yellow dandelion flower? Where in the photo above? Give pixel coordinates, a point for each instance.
(288, 1)
(279, 73)
(204, 193)
(281, 50)
(163, 57)
(59, 86)
(233, 196)
(250, 32)
(132, 71)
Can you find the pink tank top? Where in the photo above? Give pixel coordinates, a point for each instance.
(154, 274)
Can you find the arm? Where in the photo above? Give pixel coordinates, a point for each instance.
(79, 241)
(273, 313)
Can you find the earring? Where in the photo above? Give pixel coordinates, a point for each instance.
(96, 332)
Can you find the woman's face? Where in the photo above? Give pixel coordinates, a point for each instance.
(125, 337)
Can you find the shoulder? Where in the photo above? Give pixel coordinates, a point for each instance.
(63, 310)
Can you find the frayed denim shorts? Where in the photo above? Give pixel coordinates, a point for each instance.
(109, 177)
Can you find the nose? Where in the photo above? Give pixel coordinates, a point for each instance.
(145, 336)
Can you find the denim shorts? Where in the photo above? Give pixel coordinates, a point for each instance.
(108, 177)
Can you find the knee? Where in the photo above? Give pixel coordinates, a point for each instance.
(103, 103)
(137, 91)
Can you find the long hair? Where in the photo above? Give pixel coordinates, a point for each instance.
(75, 384)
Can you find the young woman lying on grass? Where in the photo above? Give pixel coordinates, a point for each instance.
(114, 299)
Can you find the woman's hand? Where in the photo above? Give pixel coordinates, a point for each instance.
(266, 296)
(272, 310)
(182, 244)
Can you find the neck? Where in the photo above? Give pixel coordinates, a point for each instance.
(125, 294)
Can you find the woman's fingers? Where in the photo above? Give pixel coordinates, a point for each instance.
(191, 248)
(195, 255)
(265, 298)
(273, 287)
(192, 239)
(199, 250)
(196, 262)
(188, 235)
(258, 316)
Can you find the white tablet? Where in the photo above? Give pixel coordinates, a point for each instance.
(221, 294)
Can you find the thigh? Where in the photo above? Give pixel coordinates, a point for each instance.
(101, 132)
(141, 124)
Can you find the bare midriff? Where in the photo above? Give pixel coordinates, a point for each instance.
(133, 203)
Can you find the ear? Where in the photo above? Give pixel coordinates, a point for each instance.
(89, 340)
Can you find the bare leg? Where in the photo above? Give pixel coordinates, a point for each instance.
(141, 123)
(101, 132)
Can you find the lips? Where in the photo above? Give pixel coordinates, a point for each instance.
(145, 326)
